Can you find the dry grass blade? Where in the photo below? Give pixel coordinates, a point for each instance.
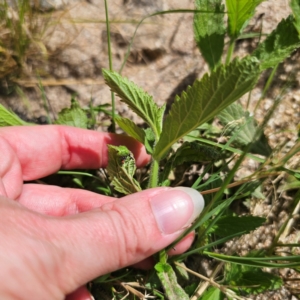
(210, 281)
(57, 82)
(21, 41)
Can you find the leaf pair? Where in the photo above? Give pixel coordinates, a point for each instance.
(200, 103)
(209, 27)
(209, 31)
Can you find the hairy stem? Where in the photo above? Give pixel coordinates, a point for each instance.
(230, 51)
(153, 181)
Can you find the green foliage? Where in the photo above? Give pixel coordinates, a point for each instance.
(243, 129)
(168, 279)
(279, 44)
(73, 116)
(209, 30)
(181, 271)
(212, 293)
(251, 280)
(190, 152)
(121, 168)
(255, 261)
(228, 225)
(145, 136)
(8, 118)
(239, 13)
(210, 97)
(295, 5)
(149, 140)
(137, 99)
(131, 128)
(206, 98)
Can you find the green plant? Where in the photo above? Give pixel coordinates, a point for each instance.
(204, 100)
(187, 136)
(22, 47)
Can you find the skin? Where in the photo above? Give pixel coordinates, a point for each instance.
(54, 240)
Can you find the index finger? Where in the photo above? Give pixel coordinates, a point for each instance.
(43, 150)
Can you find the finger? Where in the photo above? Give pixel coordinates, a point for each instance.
(43, 150)
(183, 245)
(10, 171)
(80, 294)
(179, 248)
(122, 233)
(57, 201)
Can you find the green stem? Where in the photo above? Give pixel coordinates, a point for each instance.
(113, 123)
(78, 173)
(153, 182)
(267, 86)
(270, 80)
(230, 51)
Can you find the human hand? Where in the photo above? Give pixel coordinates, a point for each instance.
(54, 240)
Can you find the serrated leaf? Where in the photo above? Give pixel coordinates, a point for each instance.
(182, 272)
(212, 293)
(168, 280)
(74, 116)
(8, 118)
(190, 152)
(145, 136)
(209, 30)
(205, 99)
(131, 128)
(279, 44)
(149, 140)
(229, 225)
(137, 99)
(239, 13)
(196, 152)
(121, 168)
(295, 5)
(251, 280)
(242, 126)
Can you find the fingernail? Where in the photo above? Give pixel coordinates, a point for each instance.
(176, 208)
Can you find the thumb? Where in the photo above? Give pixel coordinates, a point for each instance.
(122, 232)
